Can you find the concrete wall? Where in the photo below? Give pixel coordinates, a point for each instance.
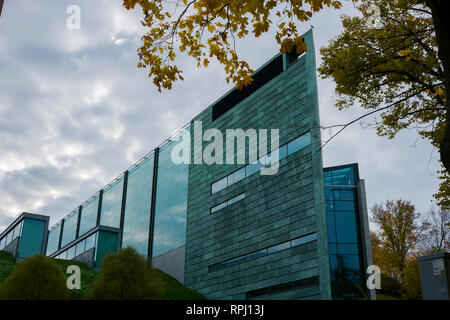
(172, 263)
(276, 209)
(86, 257)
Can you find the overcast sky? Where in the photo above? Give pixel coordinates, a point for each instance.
(75, 111)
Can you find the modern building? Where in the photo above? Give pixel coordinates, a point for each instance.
(231, 231)
(26, 236)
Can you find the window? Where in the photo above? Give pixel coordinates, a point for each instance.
(266, 161)
(299, 143)
(219, 185)
(112, 205)
(236, 176)
(88, 219)
(228, 203)
(69, 228)
(171, 203)
(137, 209)
(260, 253)
(279, 247)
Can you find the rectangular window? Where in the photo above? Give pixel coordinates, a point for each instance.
(171, 202)
(71, 253)
(236, 199)
(219, 207)
(279, 247)
(219, 185)
(112, 205)
(137, 209)
(299, 143)
(69, 228)
(88, 219)
(236, 176)
(304, 240)
(80, 248)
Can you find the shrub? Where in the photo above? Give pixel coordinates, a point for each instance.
(6, 256)
(125, 276)
(36, 278)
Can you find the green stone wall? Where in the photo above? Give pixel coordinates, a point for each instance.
(276, 209)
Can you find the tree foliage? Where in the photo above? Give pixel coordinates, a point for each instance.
(394, 70)
(412, 287)
(437, 235)
(125, 276)
(400, 231)
(206, 29)
(36, 278)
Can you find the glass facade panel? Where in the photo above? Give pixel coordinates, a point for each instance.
(53, 239)
(88, 219)
(91, 241)
(171, 203)
(80, 248)
(344, 205)
(71, 253)
(346, 248)
(346, 227)
(343, 238)
(137, 209)
(112, 205)
(69, 229)
(107, 242)
(344, 176)
(32, 239)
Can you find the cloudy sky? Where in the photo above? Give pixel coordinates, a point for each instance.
(75, 111)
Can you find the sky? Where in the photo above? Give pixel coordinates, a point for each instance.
(75, 111)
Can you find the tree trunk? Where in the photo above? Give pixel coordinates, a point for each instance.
(440, 10)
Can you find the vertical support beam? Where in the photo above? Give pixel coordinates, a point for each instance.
(365, 230)
(99, 209)
(77, 235)
(60, 234)
(153, 203)
(122, 210)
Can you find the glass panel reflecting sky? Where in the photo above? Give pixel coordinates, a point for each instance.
(53, 240)
(69, 229)
(171, 203)
(137, 208)
(89, 216)
(112, 204)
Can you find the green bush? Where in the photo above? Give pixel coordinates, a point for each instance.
(6, 267)
(390, 287)
(125, 276)
(6, 256)
(36, 278)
